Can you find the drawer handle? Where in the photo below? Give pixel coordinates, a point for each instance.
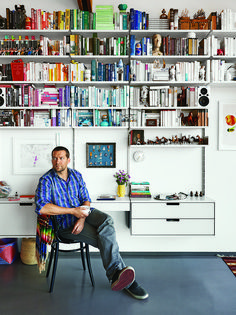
(172, 203)
(172, 220)
(25, 204)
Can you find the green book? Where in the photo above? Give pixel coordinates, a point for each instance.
(93, 70)
(124, 21)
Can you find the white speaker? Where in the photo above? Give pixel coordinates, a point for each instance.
(203, 95)
(2, 97)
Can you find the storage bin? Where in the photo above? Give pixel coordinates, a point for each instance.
(8, 250)
(28, 251)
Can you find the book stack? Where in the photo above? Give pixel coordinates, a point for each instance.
(104, 17)
(158, 24)
(140, 190)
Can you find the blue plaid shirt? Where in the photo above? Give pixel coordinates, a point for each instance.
(71, 193)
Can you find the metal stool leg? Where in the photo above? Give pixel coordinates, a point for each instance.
(89, 264)
(54, 267)
(82, 254)
(50, 260)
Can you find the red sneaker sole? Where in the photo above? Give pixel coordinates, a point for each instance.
(125, 278)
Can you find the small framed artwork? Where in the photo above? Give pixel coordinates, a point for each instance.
(136, 136)
(151, 122)
(227, 126)
(101, 154)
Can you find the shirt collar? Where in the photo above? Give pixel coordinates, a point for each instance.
(54, 173)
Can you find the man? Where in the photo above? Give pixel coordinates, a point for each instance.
(62, 192)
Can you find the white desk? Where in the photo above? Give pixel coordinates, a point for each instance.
(18, 218)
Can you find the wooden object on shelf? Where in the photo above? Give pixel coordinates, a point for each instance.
(85, 5)
(184, 23)
(199, 24)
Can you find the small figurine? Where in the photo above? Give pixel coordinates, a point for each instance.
(190, 119)
(163, 15)
(156, 39)
(144, 95)
(202, 73)
(138, 140)
(172, 73)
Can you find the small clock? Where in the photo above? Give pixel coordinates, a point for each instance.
(138, 156)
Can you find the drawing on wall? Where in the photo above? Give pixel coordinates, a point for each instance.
(227, 126)
(32, 156)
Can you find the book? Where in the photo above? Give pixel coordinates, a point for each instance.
(106, 197)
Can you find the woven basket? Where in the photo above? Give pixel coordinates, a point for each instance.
(28, 251)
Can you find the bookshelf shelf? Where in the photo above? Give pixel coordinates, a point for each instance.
(172, 83)
(98, 107)
(176, 127)
(170, 57)
(99, 57)
(35, 82)
(33, 32)
(223, 33)
(35, 57)
(100, 83)
(177, 33)
(100, 127)
(224, 84)
(101, 32)
(154, 146)
(168, 107)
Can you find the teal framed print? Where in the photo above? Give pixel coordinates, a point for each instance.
(101, 154)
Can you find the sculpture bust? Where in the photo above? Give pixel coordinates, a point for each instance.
(156, 40)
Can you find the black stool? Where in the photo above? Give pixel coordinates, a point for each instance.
(55, 250)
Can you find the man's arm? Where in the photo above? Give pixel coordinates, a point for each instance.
(51, 209)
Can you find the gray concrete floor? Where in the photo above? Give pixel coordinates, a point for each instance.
(177, 285)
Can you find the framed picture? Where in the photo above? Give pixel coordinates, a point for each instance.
(101, 155)
(227, 126)
(136, 136)
(151, 122)
(32, 156)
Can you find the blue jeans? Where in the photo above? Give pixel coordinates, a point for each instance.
(99, 232)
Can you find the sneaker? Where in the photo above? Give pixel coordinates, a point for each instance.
(137, 291)
(122, 278)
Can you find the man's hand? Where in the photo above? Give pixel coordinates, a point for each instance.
(80, 212)
(78, 227)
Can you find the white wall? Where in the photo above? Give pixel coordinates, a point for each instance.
(168, 171)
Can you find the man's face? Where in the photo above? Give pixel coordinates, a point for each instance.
(59, 161)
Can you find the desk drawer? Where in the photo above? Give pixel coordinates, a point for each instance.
(111, 206)
(173, 227)
(173, 210)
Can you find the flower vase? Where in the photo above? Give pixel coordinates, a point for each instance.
(121, 190)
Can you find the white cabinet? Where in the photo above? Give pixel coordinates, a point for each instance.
(17, 219)
(191, 217)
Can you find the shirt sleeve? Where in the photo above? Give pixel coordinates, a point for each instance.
(83, 191)
(42, 194)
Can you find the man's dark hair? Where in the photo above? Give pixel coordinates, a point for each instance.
(60, 148)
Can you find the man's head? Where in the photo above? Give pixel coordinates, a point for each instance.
(60, 159)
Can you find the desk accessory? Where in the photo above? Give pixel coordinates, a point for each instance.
(106, 197)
